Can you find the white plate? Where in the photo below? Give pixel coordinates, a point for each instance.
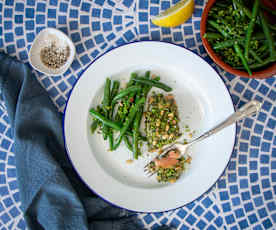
(203, 102)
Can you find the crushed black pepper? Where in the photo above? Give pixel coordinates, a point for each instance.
(54, 57)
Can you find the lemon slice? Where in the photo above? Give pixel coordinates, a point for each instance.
(176, 15)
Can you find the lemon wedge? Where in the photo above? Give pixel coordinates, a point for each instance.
(176, 15)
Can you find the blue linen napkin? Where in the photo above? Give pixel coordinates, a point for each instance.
(53, 196)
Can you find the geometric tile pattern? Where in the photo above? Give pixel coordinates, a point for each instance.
(243, 198)
(247, 190)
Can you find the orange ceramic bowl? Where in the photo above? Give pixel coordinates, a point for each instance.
(265, 73)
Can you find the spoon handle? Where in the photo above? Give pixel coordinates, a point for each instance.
(248, 109)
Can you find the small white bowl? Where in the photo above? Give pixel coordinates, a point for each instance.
(45, 38)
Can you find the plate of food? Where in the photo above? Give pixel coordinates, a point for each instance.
(130, 103)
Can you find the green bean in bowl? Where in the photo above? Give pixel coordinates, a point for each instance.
(241, 34)
(119, 116)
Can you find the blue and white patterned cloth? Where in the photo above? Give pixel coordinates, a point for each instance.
(243, 198)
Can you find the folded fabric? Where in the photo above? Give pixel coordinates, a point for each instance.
(52, 195)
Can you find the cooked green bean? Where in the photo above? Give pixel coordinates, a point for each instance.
(146, 88)
(104, 120)
(265, 54)
(153, 83)
(106, 103)
(228, 27)
(106, 99)
(244, 62)
(147, 75)
(136, 126)
(218, 27)
(132, 113)
(142, 138)
(255, 56)
(131, 95)
(236, 7)
(125, 92)
(138, 94)
(263, 48)
(127, 142)
(230, 42)
(115, 89)
(245, 10)
(114, 92)
(212, 35)
(131, 82)
(157, 78)
(128, 100)
(273, 27)
(213, 30)
(111, 124)
(249, 15)
(265, 62)
(94, 126)
(268, 35)
(251, 27)
(259, 65)
(227, 43)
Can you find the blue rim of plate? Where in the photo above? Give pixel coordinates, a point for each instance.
(64, 140)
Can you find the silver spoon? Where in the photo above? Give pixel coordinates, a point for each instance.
(248, 109)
